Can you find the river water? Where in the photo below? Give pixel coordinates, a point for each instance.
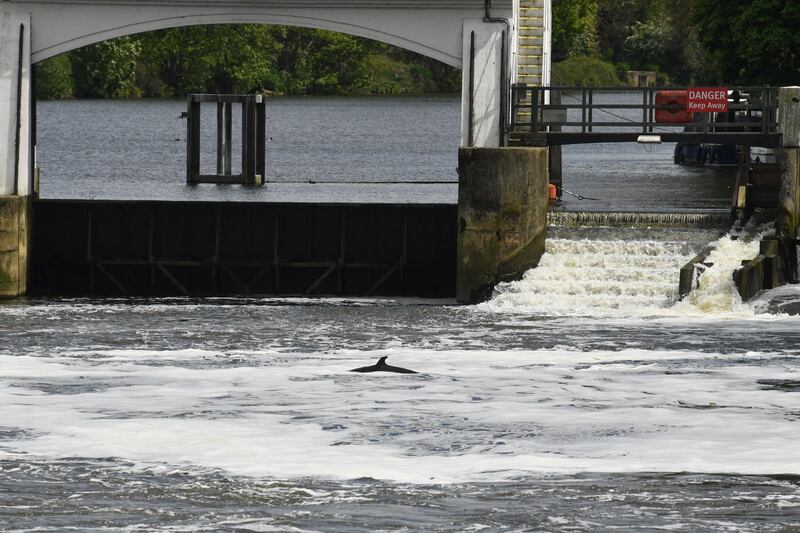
(581, 398)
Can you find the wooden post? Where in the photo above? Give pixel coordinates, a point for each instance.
(261, 139)
(192, 141)
(224, 137)
(253, 139)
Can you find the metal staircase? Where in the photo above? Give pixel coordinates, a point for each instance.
(533, 42)
(531, 54)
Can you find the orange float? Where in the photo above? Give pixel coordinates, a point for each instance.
(671, 107)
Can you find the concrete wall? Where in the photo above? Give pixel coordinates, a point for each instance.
(14, 233)
(15, 101)
(482, 84)
(789, 155)
(502, 211)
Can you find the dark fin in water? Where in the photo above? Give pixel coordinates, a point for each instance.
(381, 366)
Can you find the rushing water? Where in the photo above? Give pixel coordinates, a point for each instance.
(581, 398)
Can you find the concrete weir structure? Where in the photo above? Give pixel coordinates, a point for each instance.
(503, 191)
(502, 195)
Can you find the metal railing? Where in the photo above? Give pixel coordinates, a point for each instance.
(573, 115)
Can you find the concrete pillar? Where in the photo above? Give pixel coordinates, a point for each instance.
(502, 211)
(14, 234)
(15, 148)
(789, 155)
(15, 101)
(484, 87)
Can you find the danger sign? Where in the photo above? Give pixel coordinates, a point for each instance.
(707, 100)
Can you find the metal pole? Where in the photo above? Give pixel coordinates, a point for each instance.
(17, 143)
(471, 117)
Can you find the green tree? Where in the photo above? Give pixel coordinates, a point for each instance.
(647, 46)
(217, 59)
(574, 28)
(615, 20)
(54, 78)
(752, 42)
(107, 69)
(319, 62)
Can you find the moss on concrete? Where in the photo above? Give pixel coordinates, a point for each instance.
(502, 216)
(14, 225)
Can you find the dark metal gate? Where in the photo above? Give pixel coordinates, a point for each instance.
(194, 248)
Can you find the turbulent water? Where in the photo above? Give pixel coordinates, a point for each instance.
(583, 397)
(579, 398)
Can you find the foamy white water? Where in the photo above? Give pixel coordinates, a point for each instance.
(468, 416)
(609, 276)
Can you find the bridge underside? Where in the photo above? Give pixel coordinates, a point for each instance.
(430, 28)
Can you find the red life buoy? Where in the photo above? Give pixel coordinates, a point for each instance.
(671, 107)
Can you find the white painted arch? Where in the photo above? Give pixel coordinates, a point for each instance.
(433, 29)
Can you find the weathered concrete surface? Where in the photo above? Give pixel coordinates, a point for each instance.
(789, 159)
(789, 116)
(767, 270)
(788, 213)
(14, 234)
(502, 206)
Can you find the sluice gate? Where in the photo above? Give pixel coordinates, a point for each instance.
(209, 249)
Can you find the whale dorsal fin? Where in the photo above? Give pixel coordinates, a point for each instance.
(382, 360)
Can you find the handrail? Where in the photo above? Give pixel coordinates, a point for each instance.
(751, 111)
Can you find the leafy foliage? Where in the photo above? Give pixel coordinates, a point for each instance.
(54, 78)
(107, 69)
(575, 28)
(753, 42)
(585, 71)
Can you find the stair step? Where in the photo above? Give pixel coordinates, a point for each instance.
(532, 32)
(529, 79)
(530, 69)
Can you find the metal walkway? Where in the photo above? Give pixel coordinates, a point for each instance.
(552, 116)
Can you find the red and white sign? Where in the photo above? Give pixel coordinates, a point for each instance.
(707, 100)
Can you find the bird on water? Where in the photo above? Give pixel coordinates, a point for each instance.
(381, 366)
